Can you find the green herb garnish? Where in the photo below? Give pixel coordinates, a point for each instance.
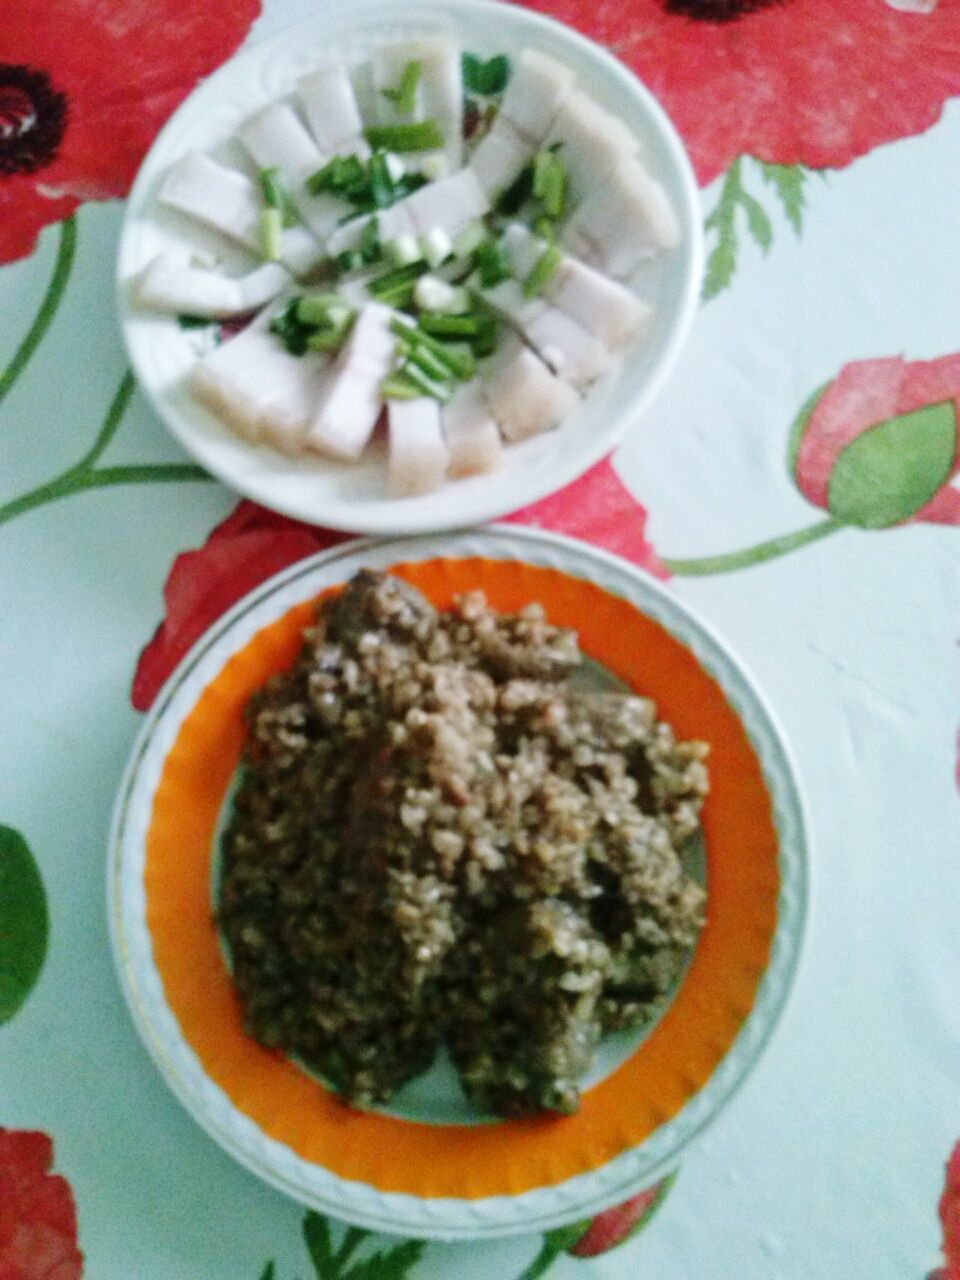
(399, 387)
(491, 263)
(404, 97)
(271, 234)
(277, 197)
(513, 197)
(543, 271)
(343, 176)
(550, 182)
(424, 135)
(290, 329)
(486, 78)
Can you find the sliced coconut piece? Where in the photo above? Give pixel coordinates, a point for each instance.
(592, 142)
(258, 388)
(499, 157)
(573, 354)
(439, 94)
(168, 283)
(449, 204)
(537, 87)
(330, 105)
(275, 136)
(604, 307)
(471, 432)
(418, 456)
(231, 203)
(348, 412)
(625, 219)
(526, 398)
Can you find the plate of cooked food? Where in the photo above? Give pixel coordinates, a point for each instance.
(455, 884)
(409, 268)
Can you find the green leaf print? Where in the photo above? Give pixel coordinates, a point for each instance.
(335, 1264)
(788, 180)
(269, 1272)
(888, 473)
(23, 922)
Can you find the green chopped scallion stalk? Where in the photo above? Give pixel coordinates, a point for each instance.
(425, 360)
(491, 262)
(424, 135)
(392, 280)
(328, 339)
(550, 182)
(543, 271)
(271, 234)
(404, 97)
(339, 176)
(397, 386)
(442, 325)
(441, 391)
(315, 308)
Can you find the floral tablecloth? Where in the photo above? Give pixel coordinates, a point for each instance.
(796, 483)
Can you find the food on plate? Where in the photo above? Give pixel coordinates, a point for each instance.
(495, 209)
(442, 840)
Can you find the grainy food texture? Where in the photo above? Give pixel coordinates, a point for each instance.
(438, 841)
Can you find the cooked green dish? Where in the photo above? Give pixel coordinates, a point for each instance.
(439, 840)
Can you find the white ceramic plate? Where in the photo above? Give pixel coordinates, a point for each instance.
(352, 497)
(550, 1201)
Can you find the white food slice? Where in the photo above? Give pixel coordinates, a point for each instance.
(526, 398)
(471, 432)
(507, 297)
(499, 157)
(449, 204)
(573, 354)
(592, 143)
(168, 283)
(348, 412)
(537, 87)
(330, 105)
(626, 219)
(417, 460)
(260, 390)
(275, 136)
(439, 92)
(231, 203)
(604, 307)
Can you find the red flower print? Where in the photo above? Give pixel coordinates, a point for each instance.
(38, 1219)
(794, 82)
(252, 543)
(84, 87)
(617, 1225)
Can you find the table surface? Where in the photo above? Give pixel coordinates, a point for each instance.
(834, 255)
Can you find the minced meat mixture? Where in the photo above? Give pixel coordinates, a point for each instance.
(437, 841)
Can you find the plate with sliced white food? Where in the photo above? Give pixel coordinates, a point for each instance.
(409, 268)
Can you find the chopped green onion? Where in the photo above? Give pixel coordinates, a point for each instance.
(328, 339)
(446, 326)
(277, 197)
(370, 247)
(545, 228)
(402, 251)
(290, 329)
(425, 360)
(441, 391)
(433, 294)
(399, 387)
(550, 182)
(491, 263)
(271, 234)
(456, 357)
(392, 280)
(425, 135)
(316, 308)
(381, 183)
(543, 271)
(485, 78)
(339, 176)
(404, 97)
